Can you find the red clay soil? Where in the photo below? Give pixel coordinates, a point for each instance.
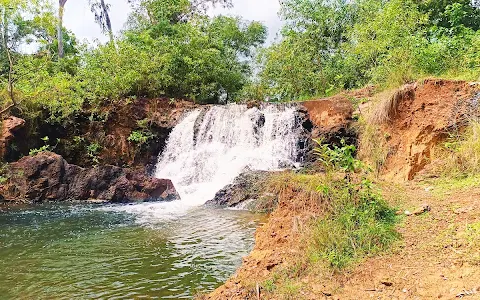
(333, 113)
(422, 120)
(438, 256)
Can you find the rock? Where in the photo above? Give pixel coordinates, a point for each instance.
(423, 209)
(386, 282)
(328, 119)
(329, 115)
(9, 126)
(246, 187)
(48, 177)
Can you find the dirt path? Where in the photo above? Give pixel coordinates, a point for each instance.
(438, 257)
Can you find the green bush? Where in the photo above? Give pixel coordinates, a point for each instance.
(140, 137)
(333, 156)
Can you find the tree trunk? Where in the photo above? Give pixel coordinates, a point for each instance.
(107, 20)
(10, 61)
(61, 9)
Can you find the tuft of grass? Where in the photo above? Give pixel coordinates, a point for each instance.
(461, 153)
(269, 285)
(290, 290)
(372, 148)
(388, 103)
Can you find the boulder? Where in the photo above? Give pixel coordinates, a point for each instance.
(9, 126)
(48, 177)
(329, 115)
(246, 192)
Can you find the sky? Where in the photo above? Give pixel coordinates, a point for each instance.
(80, 20)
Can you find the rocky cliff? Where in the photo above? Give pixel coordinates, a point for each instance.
(48, 177)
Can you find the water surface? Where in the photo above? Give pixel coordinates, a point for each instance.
(73, 251)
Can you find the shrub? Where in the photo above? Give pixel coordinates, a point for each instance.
(332, 156)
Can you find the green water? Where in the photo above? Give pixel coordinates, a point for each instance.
(79, 252)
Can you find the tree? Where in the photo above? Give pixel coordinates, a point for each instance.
(7, 50)
(61, 10)
(101, 11)
(174, 10)
(448, 13)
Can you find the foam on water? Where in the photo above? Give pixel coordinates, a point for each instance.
(207, 150)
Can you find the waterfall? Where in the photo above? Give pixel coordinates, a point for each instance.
(209, 148)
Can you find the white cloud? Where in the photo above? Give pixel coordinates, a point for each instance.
(80, 20)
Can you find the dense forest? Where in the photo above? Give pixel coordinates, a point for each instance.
(175, 49)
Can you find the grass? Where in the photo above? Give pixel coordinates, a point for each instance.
(388, 103)
(373, 148)
(359, 224)
(457, 162)
(461, 153)
(446, 185)
(353, 222)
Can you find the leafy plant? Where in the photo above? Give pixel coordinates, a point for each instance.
(334, 157)
(359, 224)
(44, 148)
(93, 150)
(140, 137)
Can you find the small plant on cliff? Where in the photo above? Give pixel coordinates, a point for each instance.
(140, 137)
(44, 148)
(334, 157)
(92, 151)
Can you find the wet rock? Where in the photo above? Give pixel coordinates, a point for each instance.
(246, 187)
(48, 177)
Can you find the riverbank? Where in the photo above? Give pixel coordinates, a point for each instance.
(436, 255)
(436, 258)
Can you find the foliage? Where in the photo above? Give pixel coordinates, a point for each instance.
(93, 150)
(335, 157)
(140, 137)
(170, 48)
(359, 222)
(44, 148)
(328, 46)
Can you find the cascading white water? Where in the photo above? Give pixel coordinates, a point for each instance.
(206, 151)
